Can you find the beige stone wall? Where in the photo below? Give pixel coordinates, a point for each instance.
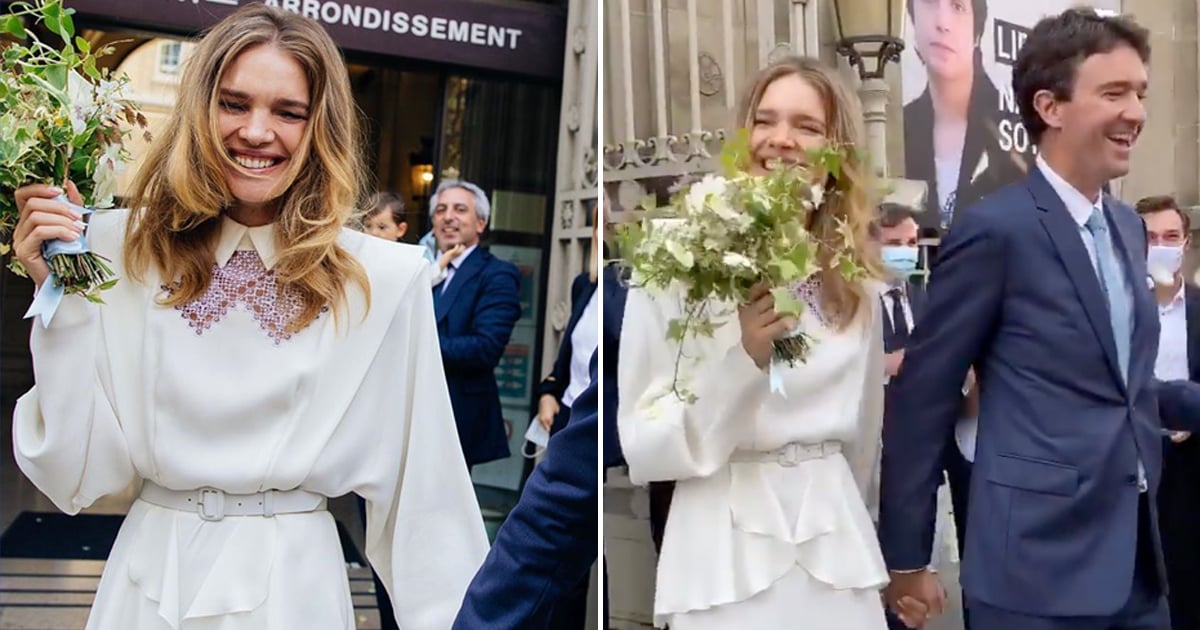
(1165, 161)
(715, 113)
(154, 92)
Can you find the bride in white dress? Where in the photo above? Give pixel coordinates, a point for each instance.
(255, 359)
(769, 524)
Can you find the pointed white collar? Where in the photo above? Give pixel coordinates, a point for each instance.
(235, 236)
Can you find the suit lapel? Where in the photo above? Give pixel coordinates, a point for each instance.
(889, 327)
(1064, 232)
(916, 301)
(580, 305)
(467, 270)
(614, 302)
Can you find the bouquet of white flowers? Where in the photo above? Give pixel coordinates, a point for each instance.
(724, 234)
(60, 118)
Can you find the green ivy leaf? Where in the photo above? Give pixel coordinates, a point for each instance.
(83, 45)
(12, 25)
(56, 76)
(51, 13)
(676, 329)
(787, 268)
(786, 303)
(67, 27)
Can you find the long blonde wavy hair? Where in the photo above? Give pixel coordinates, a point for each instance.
(179, 194)
(853, 203)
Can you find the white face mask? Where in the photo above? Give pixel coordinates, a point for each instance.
(1163, 263)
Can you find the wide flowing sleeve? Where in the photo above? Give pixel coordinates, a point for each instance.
(863, 453)
(662, 436)
(67, 437)
(425, 533)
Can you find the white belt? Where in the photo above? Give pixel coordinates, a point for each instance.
(213, 504)
(790, 455)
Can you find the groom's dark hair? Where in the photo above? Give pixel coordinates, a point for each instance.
(1057, 45)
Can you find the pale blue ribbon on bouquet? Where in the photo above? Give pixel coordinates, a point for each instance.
(775, 370)
(775, 377)
(51, 292)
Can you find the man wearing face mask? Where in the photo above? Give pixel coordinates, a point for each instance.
(897, 233)
(1168, 236)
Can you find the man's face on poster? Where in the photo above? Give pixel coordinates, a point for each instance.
(1104, 115)
(945, 33)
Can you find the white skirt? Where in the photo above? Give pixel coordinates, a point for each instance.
(795, 602)
(169, 570)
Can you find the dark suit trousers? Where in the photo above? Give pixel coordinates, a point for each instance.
(660, 506)
(958, 471)
(1179, 522)
(387, 617)
(1146, 608)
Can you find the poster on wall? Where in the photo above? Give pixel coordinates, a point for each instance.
(963, 135)
(514, 377)
(514, 373)
(529, 263)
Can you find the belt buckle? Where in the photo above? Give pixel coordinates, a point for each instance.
(210, 504)
(789, 455)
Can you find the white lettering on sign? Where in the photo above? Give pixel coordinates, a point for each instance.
(401, 23)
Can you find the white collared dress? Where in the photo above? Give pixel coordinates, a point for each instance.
(218, 393)
(755, 540)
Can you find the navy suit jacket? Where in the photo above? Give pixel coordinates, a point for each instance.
(559, 379)
(549, 539)
(1054, 497)
(615, 291)
(475, 318)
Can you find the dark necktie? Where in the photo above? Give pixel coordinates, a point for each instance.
(899, 321)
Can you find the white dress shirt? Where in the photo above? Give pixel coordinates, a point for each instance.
(1081, 210)
(452, 268)
(1172, 361)
(905, 303)
(584, 340)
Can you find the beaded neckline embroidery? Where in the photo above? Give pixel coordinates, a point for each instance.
(809, 292)
(244, 281)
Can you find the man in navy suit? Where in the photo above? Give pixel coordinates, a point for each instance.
(477, 305)
(549, 540)
(1042, 288)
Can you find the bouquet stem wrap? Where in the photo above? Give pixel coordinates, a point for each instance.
(789, 352)
(71, 263)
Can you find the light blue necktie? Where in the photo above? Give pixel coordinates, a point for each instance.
(1113, 285)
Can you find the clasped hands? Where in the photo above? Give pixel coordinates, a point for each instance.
(915, 597)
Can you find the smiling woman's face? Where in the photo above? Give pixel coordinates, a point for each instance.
(789, 121)
(263, 111)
